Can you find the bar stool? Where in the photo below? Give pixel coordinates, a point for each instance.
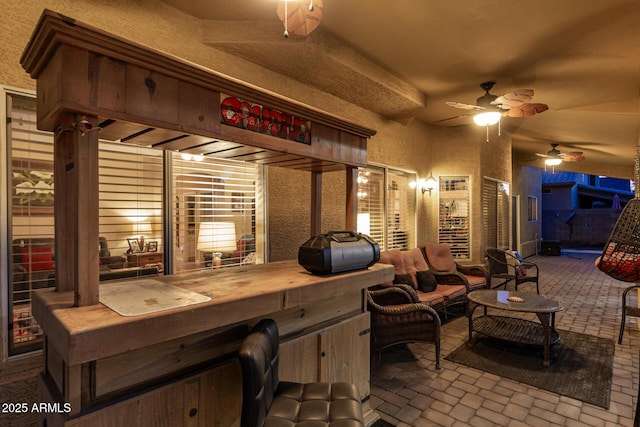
(268, 402)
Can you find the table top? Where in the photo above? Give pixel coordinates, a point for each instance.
(531, 303)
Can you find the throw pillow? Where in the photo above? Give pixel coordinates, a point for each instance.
(37, 258)
(426, 281)
(404, 279)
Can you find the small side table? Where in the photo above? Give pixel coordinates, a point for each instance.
(140, 259)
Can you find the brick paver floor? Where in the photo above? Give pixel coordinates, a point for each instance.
(409, 391)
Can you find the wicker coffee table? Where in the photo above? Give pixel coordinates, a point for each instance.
(513, 329)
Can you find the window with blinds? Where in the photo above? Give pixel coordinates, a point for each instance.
(386, 206)
(454, 215)
(495, 213)
(217, 209)
(30, 191)
(217, 214)
(130, 203)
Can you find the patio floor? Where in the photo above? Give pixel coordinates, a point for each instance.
(455, 395)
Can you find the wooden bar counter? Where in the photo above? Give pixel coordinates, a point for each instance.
(112, 368)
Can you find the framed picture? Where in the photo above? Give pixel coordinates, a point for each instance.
(237, 202)
(31, 187)
(134, 245)
(153, 246)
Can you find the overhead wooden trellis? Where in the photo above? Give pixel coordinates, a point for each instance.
(620, 258)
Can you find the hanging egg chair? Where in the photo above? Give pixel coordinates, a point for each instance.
(620, 258)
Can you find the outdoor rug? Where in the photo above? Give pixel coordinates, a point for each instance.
(581, 365)
(381, 423)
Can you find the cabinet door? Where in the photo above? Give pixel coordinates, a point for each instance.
(344, 353)
(299, 359)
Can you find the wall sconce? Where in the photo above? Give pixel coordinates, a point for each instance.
(425, 185)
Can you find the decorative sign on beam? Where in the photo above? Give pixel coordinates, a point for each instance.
(258, 118)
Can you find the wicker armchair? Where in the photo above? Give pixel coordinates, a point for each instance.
(506, 268)
(397, 319)
(448, 271)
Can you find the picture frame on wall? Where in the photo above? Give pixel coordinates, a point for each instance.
(153, 246)
(134, 245)
(237, 202)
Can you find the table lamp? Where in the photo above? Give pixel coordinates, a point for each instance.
(217, 237)
(140, 230)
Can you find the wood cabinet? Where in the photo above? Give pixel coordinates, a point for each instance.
(141, 259)
(341, 353)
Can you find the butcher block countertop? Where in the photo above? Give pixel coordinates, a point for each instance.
(83, 334)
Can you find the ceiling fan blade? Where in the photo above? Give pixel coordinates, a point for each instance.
(575, 156)
(527, 110)
(515, 98)
(452, 118)
(463, 106)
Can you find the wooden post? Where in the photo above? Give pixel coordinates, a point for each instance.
(316, 203)
(76, 208)
(350, 221)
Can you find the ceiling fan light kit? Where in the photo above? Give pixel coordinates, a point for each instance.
(490, 108)
(487, 118)
(553, 162)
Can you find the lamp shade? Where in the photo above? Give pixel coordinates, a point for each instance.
(487, 118)
(217, 237)
(553, 161)
(364, 223)
(141, 228)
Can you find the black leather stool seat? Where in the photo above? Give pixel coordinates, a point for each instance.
(267, 402)
(315, 405)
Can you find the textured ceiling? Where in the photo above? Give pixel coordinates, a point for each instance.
(404, 59)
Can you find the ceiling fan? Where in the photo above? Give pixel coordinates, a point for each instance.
(554, 157)
(490, 108)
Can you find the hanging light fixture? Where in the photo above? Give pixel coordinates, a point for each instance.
(299, 17)
(487, 118)
(554, 161)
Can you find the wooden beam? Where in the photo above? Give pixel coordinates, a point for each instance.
(316, 203)
(76, 208)
(350, 222)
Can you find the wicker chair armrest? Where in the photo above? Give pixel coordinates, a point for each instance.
(396, 310)
(451, 278)
(474, 270)
(408, 289)
(390, 295)
(528, 265)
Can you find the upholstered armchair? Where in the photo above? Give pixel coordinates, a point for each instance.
(108, 262)
(447, 270)
(396, 319)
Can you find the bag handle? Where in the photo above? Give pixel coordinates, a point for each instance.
(339, 236)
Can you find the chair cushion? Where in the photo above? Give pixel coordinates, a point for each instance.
(318, 404)
(440, 257)
(450, 292)
(404, 279)
(413, 262)
(393, 257)
(431, 298)
(476, 282)
(426, 281)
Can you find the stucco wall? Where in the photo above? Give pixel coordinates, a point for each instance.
(526, 182)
